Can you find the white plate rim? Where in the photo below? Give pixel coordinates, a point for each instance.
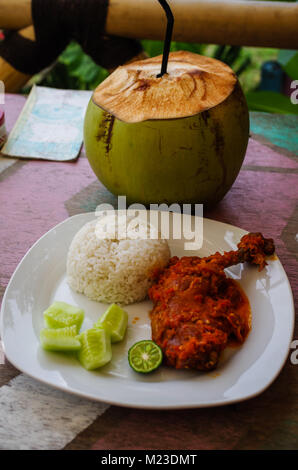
(144, 405)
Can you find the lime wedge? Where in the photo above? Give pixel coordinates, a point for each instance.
(61, 315)
(145, 356)
(60, 339)
(95, 349)
(114, 321)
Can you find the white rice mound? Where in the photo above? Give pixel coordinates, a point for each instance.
(113, 270)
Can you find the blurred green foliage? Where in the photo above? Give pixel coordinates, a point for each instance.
(76, 70)
(270, 102)
(289, 61)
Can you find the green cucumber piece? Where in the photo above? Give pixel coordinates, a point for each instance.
(60, 339)
(61, 315)
(96, 350)
(114, 321)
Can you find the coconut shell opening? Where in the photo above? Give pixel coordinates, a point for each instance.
(194, 83)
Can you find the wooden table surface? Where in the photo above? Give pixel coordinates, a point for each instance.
(36, 195)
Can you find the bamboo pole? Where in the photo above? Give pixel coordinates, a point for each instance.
(15, 14)
(247, 23)
(13, 79)
(243, 23)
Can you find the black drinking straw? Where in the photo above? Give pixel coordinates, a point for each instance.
(168, 38)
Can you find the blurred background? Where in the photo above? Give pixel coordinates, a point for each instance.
(265, 74)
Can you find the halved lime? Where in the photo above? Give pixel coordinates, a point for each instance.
(61, 315)
(145, 356)
(114, 321)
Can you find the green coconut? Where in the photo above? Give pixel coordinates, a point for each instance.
(179, 138)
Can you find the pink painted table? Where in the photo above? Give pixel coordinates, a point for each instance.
(36, 195)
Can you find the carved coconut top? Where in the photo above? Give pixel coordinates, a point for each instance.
(194, 83)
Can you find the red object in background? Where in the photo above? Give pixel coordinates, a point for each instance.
(3, 133)
(1, 35)
(2, 117)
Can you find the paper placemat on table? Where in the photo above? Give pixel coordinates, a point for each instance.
(50, 126)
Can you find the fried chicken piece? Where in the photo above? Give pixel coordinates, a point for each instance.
(197, 310)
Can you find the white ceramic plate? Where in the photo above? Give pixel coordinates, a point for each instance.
(242, 373)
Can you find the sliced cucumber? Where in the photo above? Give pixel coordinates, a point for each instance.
(95, 349)
(114, 321)
(61, 315)
(60, 339)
